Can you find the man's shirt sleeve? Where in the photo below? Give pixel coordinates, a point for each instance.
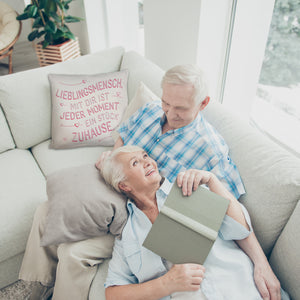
(125, 129)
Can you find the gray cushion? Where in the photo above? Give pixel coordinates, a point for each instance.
(270, 174)
(81, 206)
(285, 255)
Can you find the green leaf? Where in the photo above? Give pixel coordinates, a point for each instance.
(59, 4)
(32, 11)
(33, 35)
(42, 4)
(49, 37)
(71, 19)
(70, 35)
(56, 17)
(50, 6)
(51, 27)
(41, 33)
(23, 16)
(27, 8)
(38, 23)
(45, 44)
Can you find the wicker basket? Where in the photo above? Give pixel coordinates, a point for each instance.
(57, 53)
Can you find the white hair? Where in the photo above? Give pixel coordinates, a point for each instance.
(188, 74)
(112, 170)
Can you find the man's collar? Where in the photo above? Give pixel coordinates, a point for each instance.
(181, 129)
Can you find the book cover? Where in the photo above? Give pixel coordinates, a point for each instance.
(187, 226)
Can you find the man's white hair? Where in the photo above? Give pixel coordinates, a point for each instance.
(112, 170)
(188, 74)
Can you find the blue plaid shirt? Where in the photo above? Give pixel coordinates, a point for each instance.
(195, 146)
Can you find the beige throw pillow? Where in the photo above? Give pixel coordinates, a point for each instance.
(87, 108)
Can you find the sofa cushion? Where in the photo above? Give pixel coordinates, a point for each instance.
(22, 188)
(142, 96)
(270, 174)
(6, 141)
(82, 206)
(87, 108)
(285, 255)
(29, 91)
(51, 160)
(141, 69)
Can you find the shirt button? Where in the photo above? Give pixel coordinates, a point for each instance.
(157, 140)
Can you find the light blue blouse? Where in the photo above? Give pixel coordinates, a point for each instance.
(229, 271)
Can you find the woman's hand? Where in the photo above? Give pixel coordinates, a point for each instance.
(189, 180)
(183, 277)
(101, 159)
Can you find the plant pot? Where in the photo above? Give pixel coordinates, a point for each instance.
(57, 53)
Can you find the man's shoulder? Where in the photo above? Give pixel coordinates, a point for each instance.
(151, 109)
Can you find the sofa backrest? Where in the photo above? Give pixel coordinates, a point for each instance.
(6, 140)
(25, 96)
(141, 69)
(270, 174)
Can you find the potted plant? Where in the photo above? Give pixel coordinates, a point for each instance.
(49, 25)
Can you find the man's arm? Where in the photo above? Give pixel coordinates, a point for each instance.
(119, 143)
(264, 277)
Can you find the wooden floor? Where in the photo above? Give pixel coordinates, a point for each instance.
(23, 58)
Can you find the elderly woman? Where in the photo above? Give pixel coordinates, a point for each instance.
(137, 273)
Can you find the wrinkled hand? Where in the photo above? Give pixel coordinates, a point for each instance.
(189, 180)
(101, 159)
(267, 283)
(183, 277)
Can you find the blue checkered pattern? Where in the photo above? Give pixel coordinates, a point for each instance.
(195, 146)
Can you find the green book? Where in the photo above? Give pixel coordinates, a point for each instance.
(187, 226)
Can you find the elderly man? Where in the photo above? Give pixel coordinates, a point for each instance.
(176, 135)
(141, 274)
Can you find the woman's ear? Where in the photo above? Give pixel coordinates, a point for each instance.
(124, 187)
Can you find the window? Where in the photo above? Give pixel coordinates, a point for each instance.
(276, 108)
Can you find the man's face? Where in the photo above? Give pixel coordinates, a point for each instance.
(140, 170)
(179, 105)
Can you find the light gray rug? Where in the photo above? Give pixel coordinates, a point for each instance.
(19, 290)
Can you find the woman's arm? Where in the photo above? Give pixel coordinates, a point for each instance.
(184, 277)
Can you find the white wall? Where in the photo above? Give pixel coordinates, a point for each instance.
(171, 31)
(123, 23)
(95, 32)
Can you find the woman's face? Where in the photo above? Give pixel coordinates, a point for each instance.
(140, 170)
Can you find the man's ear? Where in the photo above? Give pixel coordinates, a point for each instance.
(124, 187)
(204, 103)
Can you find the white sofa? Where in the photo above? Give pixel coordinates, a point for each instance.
(271, 175)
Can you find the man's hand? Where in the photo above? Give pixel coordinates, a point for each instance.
(183, 277)
(266, 282)
(189, 180)
(101, 159)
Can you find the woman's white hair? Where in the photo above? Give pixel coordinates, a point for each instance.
(112, 170)
(188, 74)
